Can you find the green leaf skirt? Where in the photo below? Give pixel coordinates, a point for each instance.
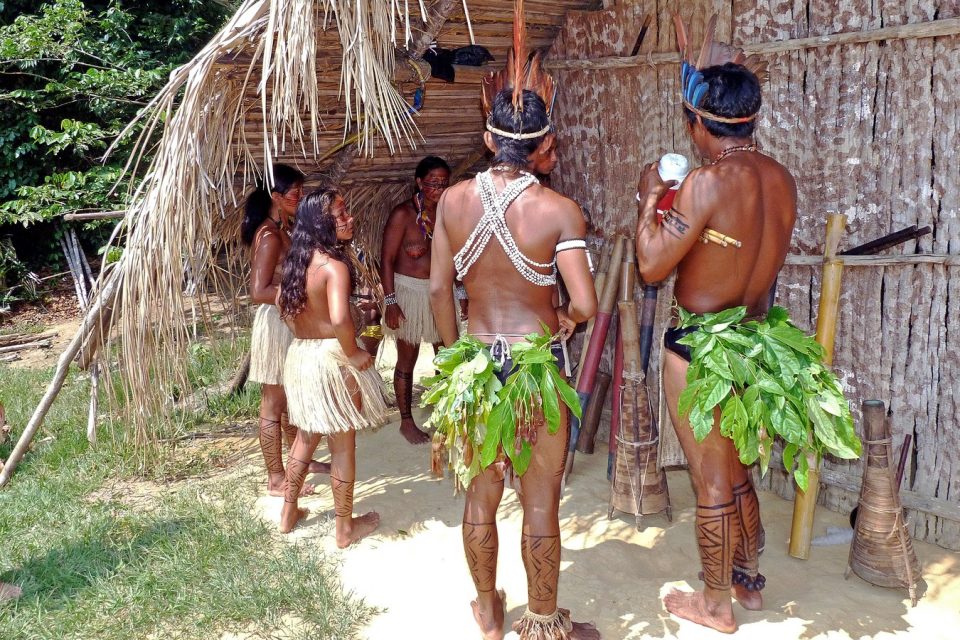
(767, 379)
(479, 419)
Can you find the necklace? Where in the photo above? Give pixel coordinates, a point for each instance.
(506, 168)
(424, 222)
(729, 150)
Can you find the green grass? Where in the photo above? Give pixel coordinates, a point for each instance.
(191, 563)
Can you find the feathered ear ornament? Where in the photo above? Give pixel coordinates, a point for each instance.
(523, 72)
(693, 88)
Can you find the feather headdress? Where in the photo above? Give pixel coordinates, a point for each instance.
(693, 87)
(523, 72)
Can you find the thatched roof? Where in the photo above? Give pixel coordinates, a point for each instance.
(290, 81)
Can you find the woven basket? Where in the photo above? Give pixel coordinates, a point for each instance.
(882, 552)
(639, 485)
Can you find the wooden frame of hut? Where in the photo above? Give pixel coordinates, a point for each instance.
(859, 106)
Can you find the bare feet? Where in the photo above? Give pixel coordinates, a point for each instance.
(693, 606)
(491, 622)
(584, 631)
(409, 430)
(749, 600)
(578, 630)
(290, 516)
(358, 528)
(306, 490)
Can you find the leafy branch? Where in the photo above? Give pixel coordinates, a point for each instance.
(768, 380)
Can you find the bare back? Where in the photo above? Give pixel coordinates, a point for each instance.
(752, 198)
(267, 252)
(501, 300)
(328, 292)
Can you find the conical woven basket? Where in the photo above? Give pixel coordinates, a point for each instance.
(882, 552)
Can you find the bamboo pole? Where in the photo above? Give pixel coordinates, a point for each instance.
(947, 259)
(595, 348)
(805, 502)
(628, 281)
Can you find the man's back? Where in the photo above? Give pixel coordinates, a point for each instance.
(752, 198)
(501, 299)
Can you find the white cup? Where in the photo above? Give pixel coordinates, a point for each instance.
(673, 166)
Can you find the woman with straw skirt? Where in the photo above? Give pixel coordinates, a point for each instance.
(405, 276)
(332, 387)
(268, 217)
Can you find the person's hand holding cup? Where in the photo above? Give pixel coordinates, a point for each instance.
(672, 169)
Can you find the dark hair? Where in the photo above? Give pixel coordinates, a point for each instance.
(734, 92)
(257, 208)
(532, 117)
(316, 229)
(427, 165)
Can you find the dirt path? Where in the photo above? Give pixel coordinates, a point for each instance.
(414, 570)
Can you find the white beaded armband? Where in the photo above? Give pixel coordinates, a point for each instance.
(575, 243)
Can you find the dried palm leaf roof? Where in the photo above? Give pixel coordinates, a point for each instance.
(286, 81)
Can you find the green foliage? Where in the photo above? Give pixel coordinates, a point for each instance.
(73, 73)
(465, 393)
(17, 282)
(479, 418)
(768, 380)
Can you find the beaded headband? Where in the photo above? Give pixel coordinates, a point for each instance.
(518, 136)
(693, 88)
(522, 73)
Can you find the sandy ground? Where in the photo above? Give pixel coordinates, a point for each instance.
(412, 569)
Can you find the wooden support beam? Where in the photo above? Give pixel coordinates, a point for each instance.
(948, 259)
(99, 215)
(930, 29)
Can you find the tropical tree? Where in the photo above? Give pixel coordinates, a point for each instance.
(72, 74)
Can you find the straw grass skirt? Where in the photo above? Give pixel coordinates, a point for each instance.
(318, 398)
(413, 296)
(268, 346)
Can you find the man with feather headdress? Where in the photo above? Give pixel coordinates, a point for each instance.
(727, 234)
(500, 400)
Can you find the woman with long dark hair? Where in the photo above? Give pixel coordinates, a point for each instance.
(405, 276)
(268, 218)
(332, 388)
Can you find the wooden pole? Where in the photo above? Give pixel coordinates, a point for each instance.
(930, 29)
(628, 280)
(59, 377)
(805, 502)
(593, 413)
(648, 314)
(595, 348)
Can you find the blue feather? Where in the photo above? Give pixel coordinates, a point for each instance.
(693, 81)
(685, 70)
(698, 93)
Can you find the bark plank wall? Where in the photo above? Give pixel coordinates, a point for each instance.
(869, 130)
